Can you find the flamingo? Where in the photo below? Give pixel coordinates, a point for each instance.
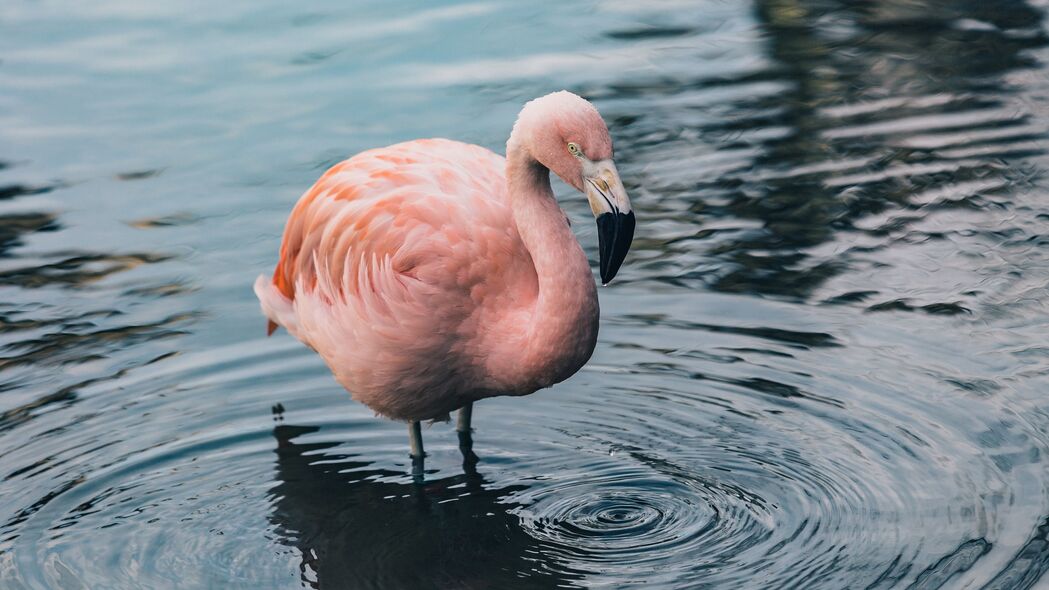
(432, 273)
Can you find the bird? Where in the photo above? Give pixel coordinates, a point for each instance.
(433, 273)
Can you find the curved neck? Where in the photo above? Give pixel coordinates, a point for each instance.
(563, 330)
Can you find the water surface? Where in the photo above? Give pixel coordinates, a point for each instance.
(823, 365)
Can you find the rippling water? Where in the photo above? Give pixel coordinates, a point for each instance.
(823, 366)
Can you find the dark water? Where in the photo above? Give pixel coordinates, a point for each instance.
(824, 365)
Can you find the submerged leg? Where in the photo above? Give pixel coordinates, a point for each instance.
(465, 413)
(466, 441)
(415, 440)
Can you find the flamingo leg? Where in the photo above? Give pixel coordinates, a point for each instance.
(465, 413)
(415, 440)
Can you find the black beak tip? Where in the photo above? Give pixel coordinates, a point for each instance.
(615, 232)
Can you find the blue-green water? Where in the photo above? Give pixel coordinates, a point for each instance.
(823, 365)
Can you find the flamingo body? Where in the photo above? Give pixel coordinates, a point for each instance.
(433, 273)
(403, 269)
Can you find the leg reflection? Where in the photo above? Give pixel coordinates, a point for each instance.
(356, 524)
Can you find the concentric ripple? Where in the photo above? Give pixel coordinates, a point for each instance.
(657, 512)
(611, 518)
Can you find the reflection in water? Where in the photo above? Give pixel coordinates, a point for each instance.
(74, 269)
(1029, 564)
(58, 312)
(367, 528)
(876, 110)
(15, 225)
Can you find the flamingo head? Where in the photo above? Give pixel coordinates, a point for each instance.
(565, 133)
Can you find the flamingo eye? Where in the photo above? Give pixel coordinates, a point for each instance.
(574, 149)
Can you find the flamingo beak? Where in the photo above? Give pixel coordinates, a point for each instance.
(615, 219)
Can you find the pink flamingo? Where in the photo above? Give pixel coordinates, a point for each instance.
(432, 273)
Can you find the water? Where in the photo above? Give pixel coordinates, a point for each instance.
(823, 365)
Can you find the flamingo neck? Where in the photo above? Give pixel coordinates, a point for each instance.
(563, 328)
